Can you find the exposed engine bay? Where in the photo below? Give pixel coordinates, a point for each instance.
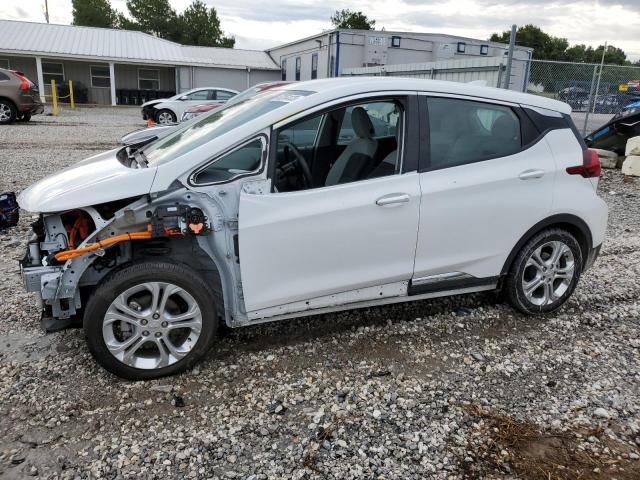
(72, 251)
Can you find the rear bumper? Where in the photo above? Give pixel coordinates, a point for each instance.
(32, 109)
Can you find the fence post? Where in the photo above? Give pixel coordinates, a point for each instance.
(54, 99)
(512, 45)
(586, 116)
(595, 100)
(71, 101)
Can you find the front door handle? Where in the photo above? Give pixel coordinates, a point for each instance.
(531, 174)
(392, 199)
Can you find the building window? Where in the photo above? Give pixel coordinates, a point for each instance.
(314, 66)
(395, 41)
(462, 47)
(283, 69)
(4, 63)
(484, 49)
(52, 71)
(148, 79)
(298, 67)
(100, 76)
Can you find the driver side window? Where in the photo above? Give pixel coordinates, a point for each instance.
(347, 144)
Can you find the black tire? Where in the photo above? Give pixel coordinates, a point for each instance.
(134, 274)
(514, 288)
(8, 112)
(25, 117)
(165, 112)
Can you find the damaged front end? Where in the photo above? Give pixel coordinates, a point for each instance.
(69, 253)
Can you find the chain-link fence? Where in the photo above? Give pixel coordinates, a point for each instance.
(589, 88)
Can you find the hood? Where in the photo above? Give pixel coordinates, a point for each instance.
(153, 102)
(98, 179)
(146, 134)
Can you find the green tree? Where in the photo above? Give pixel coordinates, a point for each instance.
(548, 47)
(93, 13)
(199, 26)
(352, 20)
(152, 16)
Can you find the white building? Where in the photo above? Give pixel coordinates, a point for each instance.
(329, 53)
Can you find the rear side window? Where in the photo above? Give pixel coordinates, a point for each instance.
(3, 77)
(463, 131)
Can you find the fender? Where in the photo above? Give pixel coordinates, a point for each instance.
(575, 224)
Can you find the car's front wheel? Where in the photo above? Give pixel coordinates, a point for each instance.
(8, 112)
(150, 319)
(545, 272)
(165, 117)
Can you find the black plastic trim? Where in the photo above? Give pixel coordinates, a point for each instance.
(447, 285)
(558, 219)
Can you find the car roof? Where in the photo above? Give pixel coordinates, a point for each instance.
(353, 85)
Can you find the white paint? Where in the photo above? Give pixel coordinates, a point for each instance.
(96, 180)
(471, 216)
(300, 245)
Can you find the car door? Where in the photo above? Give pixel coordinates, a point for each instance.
(485, 181)
(341, 243)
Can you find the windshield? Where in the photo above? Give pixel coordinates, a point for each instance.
(217, 123)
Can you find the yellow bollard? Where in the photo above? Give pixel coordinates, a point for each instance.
(72, 104)
(54, 95)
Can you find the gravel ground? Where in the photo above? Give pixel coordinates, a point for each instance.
(461, 387)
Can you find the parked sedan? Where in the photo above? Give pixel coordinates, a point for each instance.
(169, 110)
(19, 97)
(236, 218)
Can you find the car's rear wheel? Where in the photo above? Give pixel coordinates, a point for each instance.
(150, 319)
(545, 272)
(8, 112)
(165, 117)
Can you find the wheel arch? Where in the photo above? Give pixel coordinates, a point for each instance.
(566, 221)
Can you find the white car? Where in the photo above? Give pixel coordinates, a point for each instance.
(170, 110)
(315, 197)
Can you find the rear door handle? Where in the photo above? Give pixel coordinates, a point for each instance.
(531, 174)
(392, 199)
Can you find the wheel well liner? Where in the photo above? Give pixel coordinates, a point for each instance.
(574, 225)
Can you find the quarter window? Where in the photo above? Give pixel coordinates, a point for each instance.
(100, 77)
(201, 95)
(52, 71)
(148, 79)
(244, 160)
(223, 95)
(463, 131)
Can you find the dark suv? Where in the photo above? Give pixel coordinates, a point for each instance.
(19, 97)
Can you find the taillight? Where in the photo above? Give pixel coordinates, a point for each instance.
(590, 167)
(25, 84)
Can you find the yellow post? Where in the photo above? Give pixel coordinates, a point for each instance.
(72, 104)
(54, 95)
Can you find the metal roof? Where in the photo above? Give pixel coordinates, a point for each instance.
(69, 41)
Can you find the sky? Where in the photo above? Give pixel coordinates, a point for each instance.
(259, 24)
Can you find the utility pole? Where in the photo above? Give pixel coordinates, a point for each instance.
(46, 10)
(595, 99)
(512, 44)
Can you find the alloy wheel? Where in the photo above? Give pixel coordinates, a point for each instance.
(152, 325)
(165, 118)
(5, 112)
(548, 273)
